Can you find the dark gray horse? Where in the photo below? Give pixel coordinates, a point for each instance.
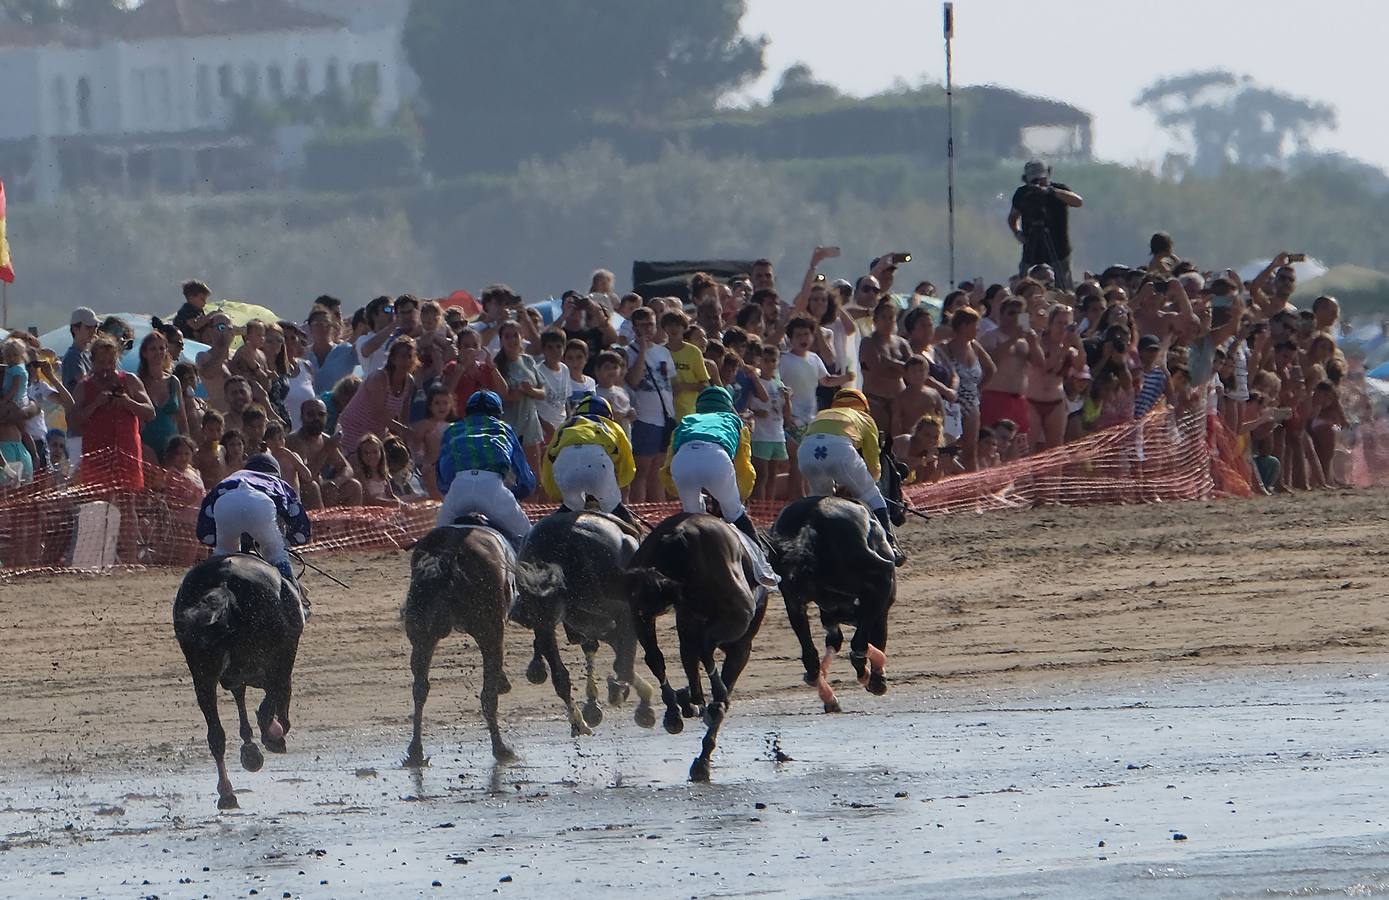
(571, 574)
(461, 578)
(831, 552)
(696, 564)
(238, 623)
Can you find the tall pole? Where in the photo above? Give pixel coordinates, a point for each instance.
(5, 308)
(950, 133)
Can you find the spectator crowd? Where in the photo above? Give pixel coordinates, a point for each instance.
(353, 404)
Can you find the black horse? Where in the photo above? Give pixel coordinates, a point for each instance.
(238, 622)
(832, 552)
(461, 578)
(696, 564)
(570, 573)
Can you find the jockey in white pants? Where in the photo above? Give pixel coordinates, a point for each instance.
(476, 455)
(711, 450)
(589, 456)
(254, 501)
(829, 455)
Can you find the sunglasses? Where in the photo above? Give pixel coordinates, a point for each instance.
(867, 290)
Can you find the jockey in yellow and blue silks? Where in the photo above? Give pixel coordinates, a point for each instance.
(711, 450)
(476, 456)
(589, 456)
(830, 454)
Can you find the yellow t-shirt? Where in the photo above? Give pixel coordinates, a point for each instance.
(689, 369)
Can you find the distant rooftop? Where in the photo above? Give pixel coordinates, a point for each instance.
(174, 18)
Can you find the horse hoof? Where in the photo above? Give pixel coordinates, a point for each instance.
(674, 724)
(414, 757)
(699, 771)
(593, 713)
(645, 716)
(503, 754)
(832, 706)
(579, 729)
(504, 685)
(877, 684)
(811, 676)
(251, 758)
(228, 801)
(274, 746)
(617, 692)
(536, 673)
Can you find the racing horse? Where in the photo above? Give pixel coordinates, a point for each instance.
(830, 551)
(697, 565)
(570, 573)
(461, 579)
(238, 623)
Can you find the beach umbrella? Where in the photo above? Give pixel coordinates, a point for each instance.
(240, 312)
(60, 339)
(464, 301)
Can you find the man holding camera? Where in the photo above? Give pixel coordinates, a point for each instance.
(1039, 220)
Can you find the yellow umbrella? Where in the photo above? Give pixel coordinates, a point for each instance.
(240, 312)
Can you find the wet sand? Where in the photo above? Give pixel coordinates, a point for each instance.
(1228, 650)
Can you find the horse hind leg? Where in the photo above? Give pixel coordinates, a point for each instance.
(656, 662)
(834, 642)
(251, 757)
(421, 656)
(624, 664)
(205, 688)
(536, 672)
(593, 713)
(800, 625)
(547, 645)
(492, 681)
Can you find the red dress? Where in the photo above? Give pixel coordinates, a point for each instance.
(111, 440)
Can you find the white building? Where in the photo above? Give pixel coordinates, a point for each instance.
(151, 100)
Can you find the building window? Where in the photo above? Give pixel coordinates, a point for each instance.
(250, 80)
(62, 106)
(203, 93)
(224, 81)
(332, 79)
(142, 95)
(301, 78)
(84, 103)
(276, 78)
(165, 91)
(366, 81)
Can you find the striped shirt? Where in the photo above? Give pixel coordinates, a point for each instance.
(484, 444)
(1154, 384)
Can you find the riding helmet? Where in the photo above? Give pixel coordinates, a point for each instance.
(484, 403)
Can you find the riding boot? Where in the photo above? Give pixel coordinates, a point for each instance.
(766, 575)
(883, 519)
(563, 509)
(287, 572)
(626, 515)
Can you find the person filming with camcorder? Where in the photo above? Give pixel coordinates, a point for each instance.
(1039, 220)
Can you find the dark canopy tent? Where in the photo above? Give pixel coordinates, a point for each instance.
(672, 278)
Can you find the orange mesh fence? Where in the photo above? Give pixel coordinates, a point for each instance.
(98, 522)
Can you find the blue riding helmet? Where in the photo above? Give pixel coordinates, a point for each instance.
(484, 403)
(263, 463)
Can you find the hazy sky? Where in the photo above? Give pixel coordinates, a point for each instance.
(1098, 54)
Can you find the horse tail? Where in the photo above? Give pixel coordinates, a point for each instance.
(540, 593)
(205, 622)
(796, 555)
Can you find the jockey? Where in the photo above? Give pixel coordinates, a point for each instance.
(590, 455)
(254, 501)
(711, 450)
(476, 454)
(829, 455)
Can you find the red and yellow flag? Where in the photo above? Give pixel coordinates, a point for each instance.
(6, 265)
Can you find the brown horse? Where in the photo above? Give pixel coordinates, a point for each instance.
(461, 578)
(697, 565)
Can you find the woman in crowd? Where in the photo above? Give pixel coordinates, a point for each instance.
(972, 368)
(1046, 383)
(882, 358)
(831, 337)
(384, 399)
(276, 365)
(298, 373)
(522, 388)
(165, 393)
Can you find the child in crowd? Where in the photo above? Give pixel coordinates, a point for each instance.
(803, 372)
(178, 461)
(770, 420)
(576, 360)
(233, 451)
(610, 370)
(15, 387)
(742, 379)
(293, 471)
(405, 480)
(254, 419)
(1006, 434)
(1153, 379)
(988, 449)
(249, 359)
(696, 335)
(208, 458)
(427, 433)
(691, 376)
(369, 461)
(58, 459)
(435, 345)
(916, 400)
(554, 375)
